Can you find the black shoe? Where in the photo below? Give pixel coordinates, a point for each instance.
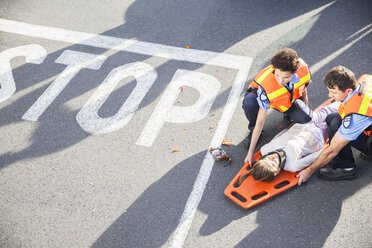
(335, 174)
(365, 156)
(247, 141)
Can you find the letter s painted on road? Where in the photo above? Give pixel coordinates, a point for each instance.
(33, 53)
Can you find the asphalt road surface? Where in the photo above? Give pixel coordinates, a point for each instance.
(108, 109)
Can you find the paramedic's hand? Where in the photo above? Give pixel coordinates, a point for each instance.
(304, 175)
(249, 158)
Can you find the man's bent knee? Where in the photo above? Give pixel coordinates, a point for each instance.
(300, 112)
(250, 100)
(333, 119)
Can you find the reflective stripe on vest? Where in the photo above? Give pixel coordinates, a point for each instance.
(303, 80)
(361, 102)
(279, 97)
(264, 75)
(277, 93)
(366, 99)
(282, 108)
(283, 90)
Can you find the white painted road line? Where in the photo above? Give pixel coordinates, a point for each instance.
(33, 54)
(75, 62)
(242, 64)
(88, 117)
(140, 47)
(165, 111)
(179, 235)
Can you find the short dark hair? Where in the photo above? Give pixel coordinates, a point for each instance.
(286, 59)
(341, 77)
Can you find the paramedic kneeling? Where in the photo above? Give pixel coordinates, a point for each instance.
(349, 127)
(281, 86)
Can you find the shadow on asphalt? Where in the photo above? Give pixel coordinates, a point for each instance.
(301, 215)
(304, 214)
(58, 123)
(150, 220)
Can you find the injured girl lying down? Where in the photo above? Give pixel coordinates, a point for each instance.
(293, 149)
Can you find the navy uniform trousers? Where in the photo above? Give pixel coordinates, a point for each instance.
(345, 158)
(299, 112)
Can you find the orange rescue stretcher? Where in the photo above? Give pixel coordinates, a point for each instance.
(252, 192)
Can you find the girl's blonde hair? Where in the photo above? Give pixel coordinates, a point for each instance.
(262, 171)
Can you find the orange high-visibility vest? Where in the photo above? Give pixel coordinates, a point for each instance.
(361, 102)
(280, 98)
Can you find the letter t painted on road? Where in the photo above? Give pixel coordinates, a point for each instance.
(75, 61)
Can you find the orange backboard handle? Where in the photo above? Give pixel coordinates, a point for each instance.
(252, 192)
